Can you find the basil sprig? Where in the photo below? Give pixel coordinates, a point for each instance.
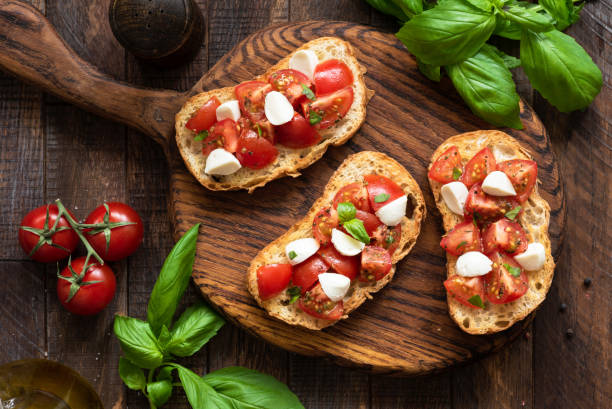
(515, 271)
(152, 345)
(355, 227)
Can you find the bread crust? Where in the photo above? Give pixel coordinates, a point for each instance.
(289, 161)
(534, 220)
(351, 170)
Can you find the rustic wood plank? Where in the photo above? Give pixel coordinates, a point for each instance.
(357, 11)
(428, 392)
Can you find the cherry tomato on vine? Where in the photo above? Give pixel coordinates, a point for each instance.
(122, 240)
(85, 292)
(38, 240)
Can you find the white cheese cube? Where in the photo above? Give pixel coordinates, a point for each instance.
(229, 109)
(334, 285)
(533, 258)
(221, 162)
(392, 213)
(299, 250)
(304, 61)
(497, 184)
(345, 244)
(455, 195)
(473, 264)
(278, 109)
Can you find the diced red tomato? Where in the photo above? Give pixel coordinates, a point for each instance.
(485, 208)
(223, 134)
(254, 151)
(355, 193)
(272, 279)
(370, 221)
(289, 82)
(388, 237)
(251, 96)
(505, 235)
(468, 291)
(462, 238)
(262, 128)
(478, 167)
(523, 174)
(375, 263)
(204, 117)
(381, 191)
(306, 274)
(332, 75)
(314, 302)
(328, 109)
(500, 284)
(297, 133)
(345, 265)
(324, 221)
(446, 165)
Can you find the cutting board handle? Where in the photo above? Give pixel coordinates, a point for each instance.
(31, 50)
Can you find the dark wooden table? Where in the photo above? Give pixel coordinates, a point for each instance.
(49, 149)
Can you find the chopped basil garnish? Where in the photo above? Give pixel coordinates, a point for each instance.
(258, 129)
(357, 230)
(463, 243)
(346, 211)
(201, 136)
(476, 301)
(292, 255)
(456, 173)
(515, 271)
(294, 292)
(308, 92)
(383, 197)
(314, 117)
(513, 213)
(390, 239)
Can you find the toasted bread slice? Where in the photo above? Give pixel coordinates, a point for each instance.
(289, 161)
(351, 170)
(534, 220)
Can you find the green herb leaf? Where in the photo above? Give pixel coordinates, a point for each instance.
(346, 211)
(137, 342)
(199, 394)
(164, 338)
(528, 18)
(165, 374)
(308, 92)
(172, 281)
(476, 301)
(314, 117)
(510, 61)
(194, 328)
(484, 5)
(131, 375)
(448, 33)
(513, 213)
(507, 28)
(560, 69)
(292, 255)
(388, 7)
(410, 7)
(356, 229)
(457, 173)
(463, 243)
(159, 392)
(243, 388)
(258, 129)
(382, 197)
(515, 271)
(565, 12)
(200, 136)
(486, 85)
(389, 239)
(294, 292)
(432, 72)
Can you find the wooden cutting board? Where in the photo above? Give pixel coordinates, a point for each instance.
(405, 329)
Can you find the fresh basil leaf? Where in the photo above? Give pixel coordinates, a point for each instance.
(510, 61)
(457, 173)
(527, 18)
(164, 337)
(515, 271)
(476, 301)
(200, 136)
(513, 213)
(346, 211)
(382, 197)
(507, 29)
(432, 72)
(388, 7)
(165, 374)
(131, 375)
(159, 392)
(193, 329)
(560, 69)
(137, 342)
(410, 7)
(314, 117)
(172, 281)
(463, 243)
(485, 5)
(199, 394)
(242, 388)
(356, 229)
(294, 292)
(308, 92)
(448, 33)
(292, 255)
(486, 85)
(565, 12)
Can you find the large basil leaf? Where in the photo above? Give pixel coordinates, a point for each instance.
(560, 69)
(172, 281)
(388, 7)
(410, 7)
(510, 61)
(137, 342)
(193, 329)
(527, 18)
(485, 5)
(131, 375)
(450, 32)
(430, 71)
(242, 388)
(507, 29)
(199, 394)
(159, 392)
(485, 84)
(563, 11)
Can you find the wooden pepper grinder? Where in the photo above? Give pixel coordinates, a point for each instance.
(162, 32)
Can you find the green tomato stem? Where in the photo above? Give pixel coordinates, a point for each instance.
(77, 229)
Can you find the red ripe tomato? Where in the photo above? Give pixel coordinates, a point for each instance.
(263, 128)
(306, 274)
(443, 168)
(355, 193)
(251, 96)
(375, 263)
(505, 235)
(96, 287)
(223, 134)
(314, 302)
(478, 167)
(297, 133)
(289, 82)
(124, 240)
(254, 151)
(345, 265)
(52, 248)
(272, 279)
(204, 117)
(388, 237)
(322, 225)
(485, 208)
(370, 221)
(331, 75)
(328, 109)
(468, 291)
(381, 191)
(523, 174)
(502, 286)
(462, 238)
